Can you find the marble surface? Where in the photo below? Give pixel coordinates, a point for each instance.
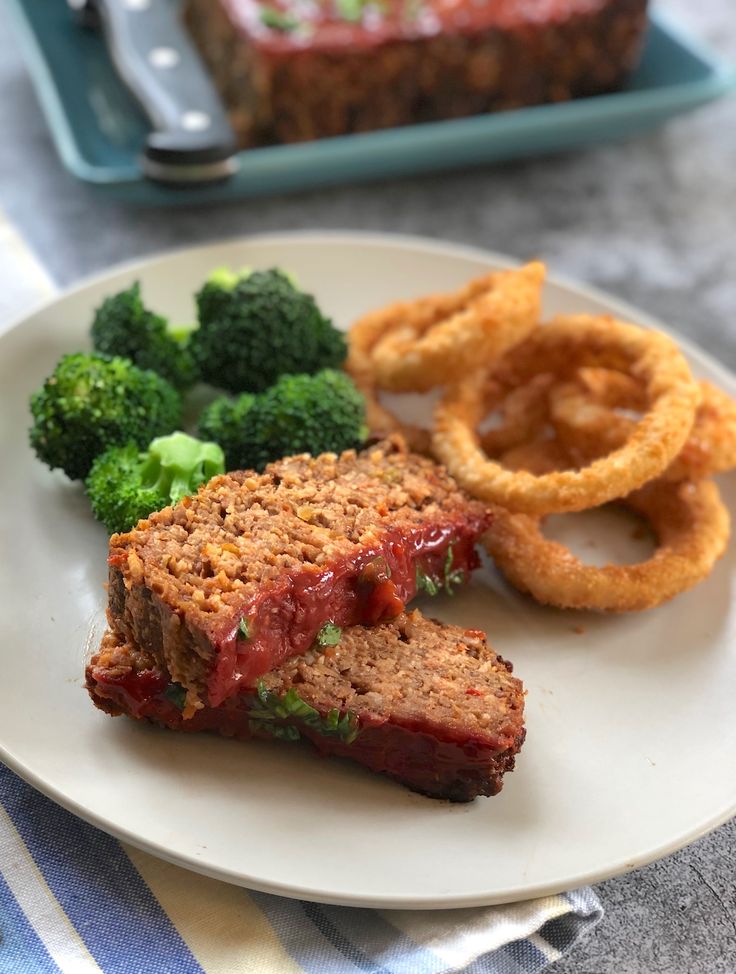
(651, 220)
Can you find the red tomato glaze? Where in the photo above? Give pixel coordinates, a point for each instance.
(284, 620)
(451, 764)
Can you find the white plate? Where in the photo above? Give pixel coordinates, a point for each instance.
(631, 748)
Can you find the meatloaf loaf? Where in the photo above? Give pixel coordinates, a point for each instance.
(228, 584)
(290, 71)
(427, 704)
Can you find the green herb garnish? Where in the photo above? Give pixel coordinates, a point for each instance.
(412, 9)
(452, 577)
(351, 10)
(329, 635)
(243, 628)
(277, 19)
(344, 727)
(425, 583)
(266, 716)
(176, 694)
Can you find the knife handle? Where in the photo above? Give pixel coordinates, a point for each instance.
(192, 140)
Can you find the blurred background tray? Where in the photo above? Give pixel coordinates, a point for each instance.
(98, 128)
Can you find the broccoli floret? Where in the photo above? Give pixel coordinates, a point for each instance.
(225, 421)
(299, 414)
(258, 327)
(124, 326)
(91, 402)
(126, 484)
(215, 296)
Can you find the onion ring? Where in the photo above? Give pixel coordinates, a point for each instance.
(380, 420)
(541, 456)
(692, 528)
(565, 345)
(585, 421)
(711, 446)
(417, 345)
(523, 412)
(584, 418)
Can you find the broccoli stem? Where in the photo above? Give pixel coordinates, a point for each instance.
(227, 279)
(177, 464)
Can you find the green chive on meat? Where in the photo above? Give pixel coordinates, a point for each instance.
(329, 635)
(268, 713)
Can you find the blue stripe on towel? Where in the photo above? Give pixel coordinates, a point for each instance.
(518, 957)
(116, 915)
(562, 932)
(21, 950)
(388, 945)
(346, 940)
(322, 921)
(316, 954)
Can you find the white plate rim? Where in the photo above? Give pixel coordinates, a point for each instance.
(379, 239)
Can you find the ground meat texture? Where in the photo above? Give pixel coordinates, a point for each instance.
(311, 73)
(428, 704)
(228, 584)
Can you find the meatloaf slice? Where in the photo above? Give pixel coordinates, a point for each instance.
(428, 704)
(228, 584)
(289, 71)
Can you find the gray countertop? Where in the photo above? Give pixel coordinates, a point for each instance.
(650, 220)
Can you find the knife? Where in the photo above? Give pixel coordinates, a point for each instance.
(191, 139)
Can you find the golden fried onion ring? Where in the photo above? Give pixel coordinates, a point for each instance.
(692, 528)
(564, 345)
(417, 345)
(381, 421)
(541, 456)
(523, 411)
(583, 415)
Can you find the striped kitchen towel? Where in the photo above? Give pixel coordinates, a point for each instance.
(76, 901)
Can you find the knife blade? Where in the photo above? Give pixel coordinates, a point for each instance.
(191, 140)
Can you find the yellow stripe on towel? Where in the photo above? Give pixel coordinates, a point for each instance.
(221, 925)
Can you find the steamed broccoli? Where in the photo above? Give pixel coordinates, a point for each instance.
(91, 402)
(299, 414)
(255, 327)
(213, 300)
(124, 326)
(225, 421)
(126, 484)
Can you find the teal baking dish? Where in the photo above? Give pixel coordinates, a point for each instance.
(98, 128)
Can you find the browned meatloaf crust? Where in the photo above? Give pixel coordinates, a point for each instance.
(229, 583)
(289, 71)
(427, 704)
